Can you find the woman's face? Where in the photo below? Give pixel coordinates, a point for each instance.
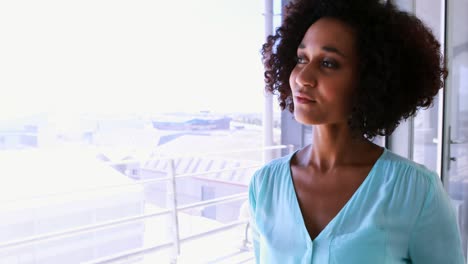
(325, 76)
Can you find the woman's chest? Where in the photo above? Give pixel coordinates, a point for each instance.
(321, 198)
(367, 229)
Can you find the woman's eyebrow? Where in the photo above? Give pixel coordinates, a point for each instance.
(333, 50)
(327, 48)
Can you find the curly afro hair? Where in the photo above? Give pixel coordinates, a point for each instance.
(401, 67)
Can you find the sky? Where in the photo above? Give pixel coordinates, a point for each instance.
(130, 56)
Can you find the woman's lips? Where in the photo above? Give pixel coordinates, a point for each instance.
(303, 100)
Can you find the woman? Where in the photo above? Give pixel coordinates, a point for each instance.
(352, 70)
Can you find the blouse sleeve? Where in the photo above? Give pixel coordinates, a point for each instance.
(252, 222)
(435, 237)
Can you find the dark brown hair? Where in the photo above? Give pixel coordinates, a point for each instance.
(401, 68)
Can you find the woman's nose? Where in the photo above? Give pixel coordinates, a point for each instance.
(306, 76)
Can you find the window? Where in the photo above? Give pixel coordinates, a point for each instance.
(100, 96)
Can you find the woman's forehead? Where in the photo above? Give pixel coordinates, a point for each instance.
(330, 32)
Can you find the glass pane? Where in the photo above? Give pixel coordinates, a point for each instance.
(97, 94)
(457, 110)
(426, 122)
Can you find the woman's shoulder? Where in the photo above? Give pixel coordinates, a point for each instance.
(401, 167)
(403, 175)
(407, 188)
(275, 170)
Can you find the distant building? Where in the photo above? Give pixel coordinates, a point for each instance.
(195, 122)
(18, 138)
(21, 133)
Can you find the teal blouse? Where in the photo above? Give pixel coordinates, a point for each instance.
(400, 214)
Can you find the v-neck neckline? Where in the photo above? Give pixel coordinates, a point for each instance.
(330, 224)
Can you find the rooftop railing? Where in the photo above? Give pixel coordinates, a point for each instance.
(173, 211)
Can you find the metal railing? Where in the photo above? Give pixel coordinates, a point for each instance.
(147, 250)
(173, 211)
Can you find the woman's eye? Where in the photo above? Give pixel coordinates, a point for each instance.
(329, 64)
(300, 60)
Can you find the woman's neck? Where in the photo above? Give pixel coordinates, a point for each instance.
(335, 146)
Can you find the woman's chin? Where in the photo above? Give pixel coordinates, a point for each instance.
(305, 119)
